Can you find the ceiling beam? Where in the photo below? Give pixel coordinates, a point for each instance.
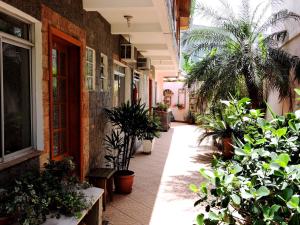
(162, 62)
(159, 57)
(122, 28)
(151, 46)
(92, 5)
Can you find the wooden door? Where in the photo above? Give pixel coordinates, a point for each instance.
(59, 99)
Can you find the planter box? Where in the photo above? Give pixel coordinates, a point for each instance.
(165, 119)
(148, 146)
(91, 216)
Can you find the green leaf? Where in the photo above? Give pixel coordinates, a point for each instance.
(294, 202)
(200, 219)
(287, 194)
(236, 169)
(214, 216)
(292, 125)
(274, 209)
(260, 141)
(193, 188)
(206, 173)
(266, 166)
(262, 191)
(228, 179)
(236, 199)
(247, 138)
(282, 160)
(245, 194)
(280, 132)
(203, 188)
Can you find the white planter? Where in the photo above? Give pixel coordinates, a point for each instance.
(147, 146)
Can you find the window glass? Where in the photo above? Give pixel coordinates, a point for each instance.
(14, 26)
(90, 68)
(103, 72)
(16, 84)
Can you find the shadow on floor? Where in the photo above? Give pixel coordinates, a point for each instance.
(136, 208)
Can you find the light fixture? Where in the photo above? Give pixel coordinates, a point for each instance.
(128, 19)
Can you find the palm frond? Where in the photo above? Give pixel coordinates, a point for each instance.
(274, 38)
(276, 18)
(204, 35)
(245, 10)
(215, 16)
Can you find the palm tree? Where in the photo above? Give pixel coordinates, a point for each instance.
(242, 55)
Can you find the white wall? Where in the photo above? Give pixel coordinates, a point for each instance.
(293, 47)
(174, 86)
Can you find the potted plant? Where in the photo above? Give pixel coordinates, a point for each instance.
(191, 118)
(217, 127)
(151, 132)
(161, 111)
(129, 123)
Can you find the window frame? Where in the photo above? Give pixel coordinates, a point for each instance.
(19, 42)
(119, 74)
(103, 77)
(93, 77)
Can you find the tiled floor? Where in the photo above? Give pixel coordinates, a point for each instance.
(160, 194)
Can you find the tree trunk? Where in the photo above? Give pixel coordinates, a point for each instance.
(255, 94)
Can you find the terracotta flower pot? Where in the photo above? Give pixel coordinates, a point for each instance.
(227, 148)
(124, 181)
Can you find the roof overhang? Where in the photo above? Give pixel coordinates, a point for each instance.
(150, 31)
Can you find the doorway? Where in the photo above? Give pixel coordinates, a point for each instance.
(65, 99)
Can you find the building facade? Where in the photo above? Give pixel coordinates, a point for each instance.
(62, 63)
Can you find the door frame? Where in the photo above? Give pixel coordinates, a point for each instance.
(53, 31)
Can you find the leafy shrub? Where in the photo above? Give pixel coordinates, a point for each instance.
(53, 191)
(161, 107)
(260, 185)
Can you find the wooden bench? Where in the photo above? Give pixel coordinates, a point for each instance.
(90, 216)
(103, 178)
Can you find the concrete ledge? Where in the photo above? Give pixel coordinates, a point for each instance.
(90, 216)
(10, 162)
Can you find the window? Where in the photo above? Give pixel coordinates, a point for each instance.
(103, 72)
(15, 89)
(119, 85)
(90, 68)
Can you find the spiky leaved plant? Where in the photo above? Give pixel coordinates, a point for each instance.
(242, 55)
(130, 122)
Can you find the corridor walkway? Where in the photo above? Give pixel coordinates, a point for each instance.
(160, 194)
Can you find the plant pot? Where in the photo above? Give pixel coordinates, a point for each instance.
(148, 146)
(227, 148)
(165, 119)
(6, 220)
(124, 181)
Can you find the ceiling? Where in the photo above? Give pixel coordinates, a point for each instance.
(150, 29)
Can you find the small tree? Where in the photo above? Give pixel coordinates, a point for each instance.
(242, 56)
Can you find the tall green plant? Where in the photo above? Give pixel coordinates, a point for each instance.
(242, 56)
(130, 122)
